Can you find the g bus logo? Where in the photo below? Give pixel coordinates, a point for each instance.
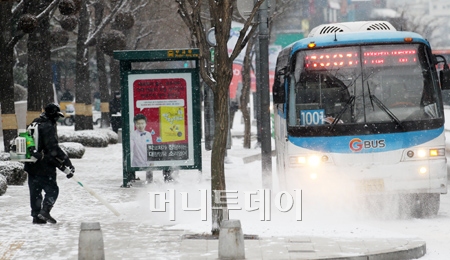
(356, 144)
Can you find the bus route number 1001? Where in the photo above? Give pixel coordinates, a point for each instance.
(311, 117)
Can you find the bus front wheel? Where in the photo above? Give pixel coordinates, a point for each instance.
(425, 204)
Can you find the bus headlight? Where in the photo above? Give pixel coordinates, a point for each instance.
(423, 170)
(425, 153)
(421, 153)
(437, 152)
(311, 160)
(301, 160)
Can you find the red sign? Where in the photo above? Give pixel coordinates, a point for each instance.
(163, 103)
(237, 79)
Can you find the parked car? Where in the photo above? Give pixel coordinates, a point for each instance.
(69, 115)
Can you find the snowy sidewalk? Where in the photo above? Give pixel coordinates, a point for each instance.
(123, 239)
(19, 239)
(131, 240)
(140, 234)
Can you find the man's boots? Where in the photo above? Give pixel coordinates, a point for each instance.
(168, 176)
(37, 220)
(44, 214)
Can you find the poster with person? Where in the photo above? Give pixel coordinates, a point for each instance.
(165, 102)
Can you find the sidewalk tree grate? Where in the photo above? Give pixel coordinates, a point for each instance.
(8, 249)
(302, 251)
(215, 237)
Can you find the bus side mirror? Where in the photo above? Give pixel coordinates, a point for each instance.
(444, 74)
(444, 77)
(278, 93)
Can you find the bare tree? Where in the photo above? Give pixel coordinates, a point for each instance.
(39, 70)
(280, 7)
(428, 26)
(12, 17)
(6, 73)
(157, 26)
(245, 93)
(218, 79)
(85, 39)
(101, 69)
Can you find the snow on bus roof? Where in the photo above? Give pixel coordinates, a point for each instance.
(359, 26)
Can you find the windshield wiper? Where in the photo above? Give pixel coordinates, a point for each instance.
(382, 107)
(339, 115)
(350, 101)
(370, 95)
(385, 109)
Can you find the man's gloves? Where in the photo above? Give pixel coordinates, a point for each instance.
(69, 171)
(36, 154)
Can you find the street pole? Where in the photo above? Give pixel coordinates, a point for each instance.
(257, 96)
(263, 86)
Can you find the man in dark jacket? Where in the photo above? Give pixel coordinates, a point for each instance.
(42, 173)
(115, 110)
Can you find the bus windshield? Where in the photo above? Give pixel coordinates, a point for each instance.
(390, 84)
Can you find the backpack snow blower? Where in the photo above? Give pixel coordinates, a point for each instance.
(21, 147)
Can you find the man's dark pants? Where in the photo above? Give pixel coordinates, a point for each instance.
(37, 183)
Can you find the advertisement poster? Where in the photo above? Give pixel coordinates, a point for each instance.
(160, 119)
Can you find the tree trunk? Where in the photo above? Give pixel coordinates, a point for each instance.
(223, 74)
(115, 75)
(219, 80)
(114, 66)
(8, 116)
(101, 70)
(221, 103)
(83, 105)
(245, 93)
(39, 70)
(103, 86)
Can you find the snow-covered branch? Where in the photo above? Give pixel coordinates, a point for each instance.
(243, 35)
(105, 22)
(19, 36)
(47, 10)
(18, 7)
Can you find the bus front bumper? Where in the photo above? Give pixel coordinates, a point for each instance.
(428, 176)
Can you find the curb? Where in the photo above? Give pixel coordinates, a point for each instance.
(413, 250)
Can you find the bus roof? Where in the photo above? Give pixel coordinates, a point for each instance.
(359, 26)
(357, 38)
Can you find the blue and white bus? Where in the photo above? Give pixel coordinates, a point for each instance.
(361, 102)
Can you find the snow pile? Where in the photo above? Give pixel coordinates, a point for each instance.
(13, 171)
(113, 137)
(89, 138)
(5, 157)
(73, 150)
(3, 185)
